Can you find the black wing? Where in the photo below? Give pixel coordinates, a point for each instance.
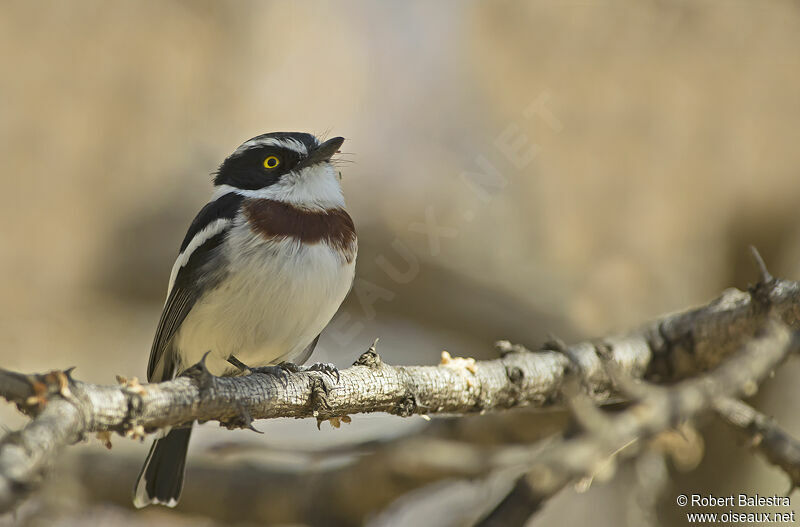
(193, 277)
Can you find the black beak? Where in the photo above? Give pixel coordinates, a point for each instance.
(323, 152)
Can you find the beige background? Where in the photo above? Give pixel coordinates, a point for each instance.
(651, 142)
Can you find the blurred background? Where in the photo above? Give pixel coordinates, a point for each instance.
(514, 169)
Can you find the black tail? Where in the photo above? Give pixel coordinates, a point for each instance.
(161, 478)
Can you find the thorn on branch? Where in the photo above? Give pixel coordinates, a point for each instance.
(764, 275)
(242, 420)
(200, 374)
(505, 347)
(761, 290)
(369, 358)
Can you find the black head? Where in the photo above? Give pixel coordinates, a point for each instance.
(262, 161)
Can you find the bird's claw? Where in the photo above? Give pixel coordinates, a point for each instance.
(282, 370)
(327, 368)
(278, 371)
(290, 367)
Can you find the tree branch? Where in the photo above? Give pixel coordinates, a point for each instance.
(658, 409)
(672, 348)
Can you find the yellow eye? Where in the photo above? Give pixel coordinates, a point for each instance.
(271, 162)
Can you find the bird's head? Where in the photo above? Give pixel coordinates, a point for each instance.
(291, 167)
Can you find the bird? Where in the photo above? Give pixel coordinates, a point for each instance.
(263, 268)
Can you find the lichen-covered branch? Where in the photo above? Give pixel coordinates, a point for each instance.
(674, 347)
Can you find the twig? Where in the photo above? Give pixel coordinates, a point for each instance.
(764, 434)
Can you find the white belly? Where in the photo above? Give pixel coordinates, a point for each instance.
(277, 298)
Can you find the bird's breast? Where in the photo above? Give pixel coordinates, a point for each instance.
(274, 220)
(278, 294)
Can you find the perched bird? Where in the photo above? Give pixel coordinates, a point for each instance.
(261, 271)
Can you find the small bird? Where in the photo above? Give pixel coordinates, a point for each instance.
(262, 270)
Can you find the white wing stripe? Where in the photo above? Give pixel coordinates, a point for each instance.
(210, 230)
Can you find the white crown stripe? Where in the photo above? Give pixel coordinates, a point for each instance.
(289, 143)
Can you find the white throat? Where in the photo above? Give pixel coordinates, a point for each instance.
(316, 187)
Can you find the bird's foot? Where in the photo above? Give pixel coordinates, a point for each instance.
(278, 371)
(199, 372)
(236, 363)
(283, 369)
(328, 368)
